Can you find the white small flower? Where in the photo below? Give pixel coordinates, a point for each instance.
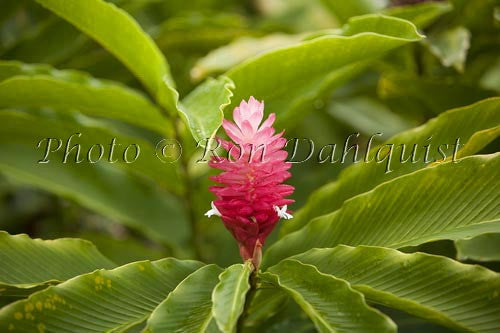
(213, 211)
(282, 212)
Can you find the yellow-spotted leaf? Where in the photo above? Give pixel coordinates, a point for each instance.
(31, 264)
(102, 301)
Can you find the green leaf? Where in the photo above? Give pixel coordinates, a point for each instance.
(204, 107)
(441, 290)
(287, 317)
(367, 115)
(266, 303)
(52, 33)
(103, 188)
(491, 78)
(102, 301)
(26, 85)
(478, 141)
(291, 78)
(485, 247)
(35, 132)
(451, 46)
(434, 95)
(382, 25)
(298, 15)
(230, 55)
(228, 297)
(200, 31)
(422, 14)
(344, 10)
(455, 200)
(124, 249)
(445, 129)
(188, 308)
(31, 264)
(120, 34)
(47, 40)
(331, 303)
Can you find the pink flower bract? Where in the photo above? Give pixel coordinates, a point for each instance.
(251, 195)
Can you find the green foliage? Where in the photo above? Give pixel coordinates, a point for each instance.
(229, 296)
(390, 216)
(78, 75)
(451, 46)
(31, 86)
(463, 299)
(358, 178)
(204, 107)
(131, 292)
(132, 46)
(288, 81)
(421, 14)
(30, 264)
(484, 247)
(331, 303)
(188, 308)
(343, 10)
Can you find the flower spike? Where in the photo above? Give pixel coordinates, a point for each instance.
(251, 189)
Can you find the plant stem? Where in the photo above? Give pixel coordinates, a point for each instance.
(188, 195)
(188, 199)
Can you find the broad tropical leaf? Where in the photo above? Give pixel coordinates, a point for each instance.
(228, 297)
(331, 303)
(266, 303)
(120, 34)
(367, 115)
(103, 188)
(462, 297)
(311, 68)
(227, 56)
(49, 32)
(490, 79)
(289, 79)
(344, 10)
(204, 107)
(188, 308)
(485, 247)
(31, 264)
(478, 141)
(24, 85)
(451, 46)
(429, 94)
(94, 144)
(56, 41)
(455, 124)
(455, 200)
(421, 14)
(105, 300)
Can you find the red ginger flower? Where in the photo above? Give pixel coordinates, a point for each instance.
(251, 197)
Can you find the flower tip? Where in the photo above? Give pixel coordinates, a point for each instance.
(282, 212)
(213, 211)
